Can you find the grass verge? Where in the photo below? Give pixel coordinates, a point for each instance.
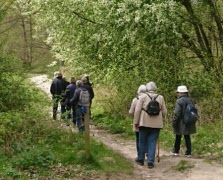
(34, 147)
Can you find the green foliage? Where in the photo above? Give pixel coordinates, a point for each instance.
(13, 92)
(35, 158)
(132, 43)
(114, 124)
(208, 139)
(207, 142)
(31, 143)
(10, 125)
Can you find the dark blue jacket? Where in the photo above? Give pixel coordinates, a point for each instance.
(69, 93)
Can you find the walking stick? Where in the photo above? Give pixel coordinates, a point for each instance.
(158, 150)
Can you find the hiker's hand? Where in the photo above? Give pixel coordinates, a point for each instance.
(136, 126)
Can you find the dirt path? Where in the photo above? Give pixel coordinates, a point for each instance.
(163, 170)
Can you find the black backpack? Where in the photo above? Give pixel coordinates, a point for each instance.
(190, 115)
(153, 107)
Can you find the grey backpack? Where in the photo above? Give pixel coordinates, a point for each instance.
(84, 98)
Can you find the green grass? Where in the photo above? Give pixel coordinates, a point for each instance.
(206, 142)
(41, 148)
(43, 154)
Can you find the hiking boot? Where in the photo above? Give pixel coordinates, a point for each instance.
(139, 162)
(150, 165)
(174, 153)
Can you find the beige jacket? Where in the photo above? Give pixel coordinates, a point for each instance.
(132, 110)
(141, 118)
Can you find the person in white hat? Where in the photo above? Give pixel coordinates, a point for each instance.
(179, 127)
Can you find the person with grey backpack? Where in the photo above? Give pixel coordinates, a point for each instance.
(80, 98)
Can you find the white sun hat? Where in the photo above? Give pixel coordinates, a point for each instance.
(182, 89)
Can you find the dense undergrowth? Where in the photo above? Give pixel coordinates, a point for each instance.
(32, 145)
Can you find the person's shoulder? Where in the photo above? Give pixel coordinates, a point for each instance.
(182, 100)
(78, 89)
(88, 86)
(135, 99)
(69, 86)
(54, 79)
(142, 96)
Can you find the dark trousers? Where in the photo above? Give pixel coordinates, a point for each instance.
(71, 113)
(56, 100)
(178, 142)
(137, 143)
(79, 119)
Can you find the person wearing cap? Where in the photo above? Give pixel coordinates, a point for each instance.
(179, 127)
(149, 126)
(57, 89)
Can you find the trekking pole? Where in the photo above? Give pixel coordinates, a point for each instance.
(158, 150)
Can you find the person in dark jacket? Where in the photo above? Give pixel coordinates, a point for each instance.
(65, 79)
(87, 86)
(78, 108)
(180, 128)
(57, 89)
(70, 89)
(88, 80)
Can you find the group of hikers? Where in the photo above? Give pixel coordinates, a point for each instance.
(67, 94)
(147, 110)
(147, 125)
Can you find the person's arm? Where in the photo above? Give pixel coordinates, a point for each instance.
(75, 96)
(137, 113)
(177, 113)
(132, 108)
(52, 88)
(67, 96)
(92, 93)
(163, 107)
